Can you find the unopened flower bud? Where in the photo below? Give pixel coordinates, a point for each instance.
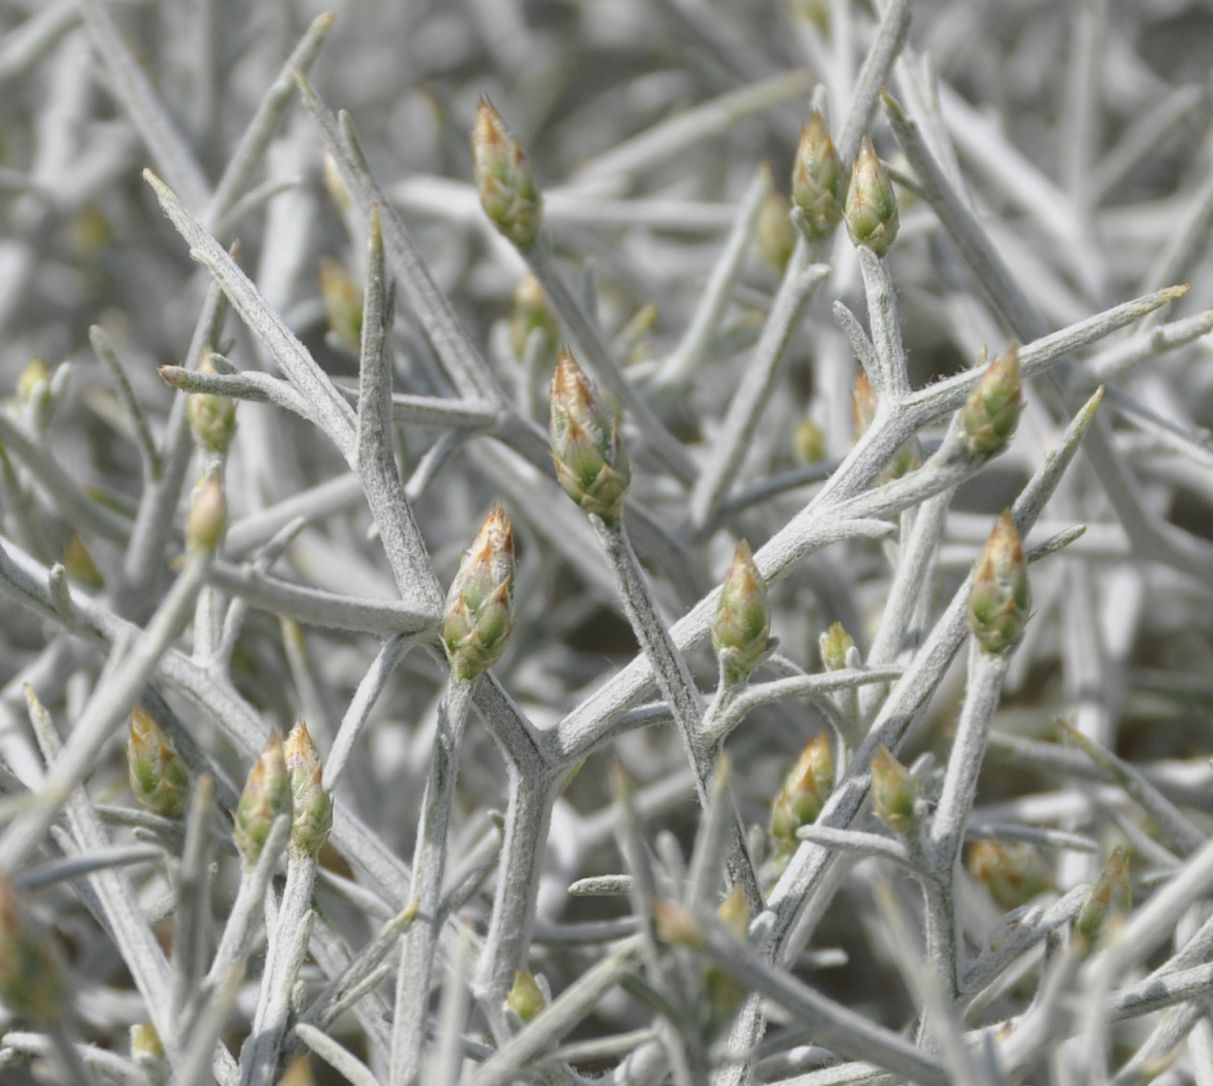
(871, 207)
(312, 816)
(835, 644)
(1000, 599)
(591, 464)
(503, 176)
(1013, 873)
(145, 1042)
(206, 522)
(676, 924)
(530, 313)
(742, 626)
(480, 604)
(775, 232)
(266, 795)
(79, 564)
(525, 997)
(1107, 904)
(818, 179)
(894, 791)
(810, 442)
(31, 973)
(991, 414)
(805, 791)
(158, 776)
(342, 304)
(212, 417)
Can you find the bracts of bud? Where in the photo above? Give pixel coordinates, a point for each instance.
(871, 207)
(591, 464)
(1107, 904)
(818, 180)
(836, 644)
(894, 791)
(991, 414)
(267, 794)
(741, 630)
(805, 790)
(1000, 599)
(312, 816)
(158, 776)
(480, 604)
(212, 417)
(525, 997)
(206, 522)
(504, 179)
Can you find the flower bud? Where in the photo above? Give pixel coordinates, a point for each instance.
(810, 442)
(1107, 904)
(266, 795)
(1013, 873)
(158, 776)
(991, 414)
(145, 1042)
(591, 464)
(894, 791)
(818, 181)
(529, 313)
(79, 564)
(724, 993)
(805, 790)
(35, 380)
(503, 176)
(835, 644)
(480, 604)
(206, 522)
(999, 600)
(342, 304)
(313, 810)
(676, 924)
(871, 207)
(775, 232)
(212, 417)
(525, 998)
(742, 626)
(32, 984)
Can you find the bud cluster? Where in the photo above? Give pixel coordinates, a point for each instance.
(1000, 599)
(741, 629)
(267, 794)
(158, 776)
(480, 604)
(805, 790)
(503, 177)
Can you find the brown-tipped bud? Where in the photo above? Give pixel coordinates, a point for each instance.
(525, 997)
(776, 234)
(504, 179)
(158, 776)
(1107, 904)
(266, 795)
(991, 414)
(1000, 599)
(206, 522)
(742, 626)
(871, 209)
(818, 180)
(805, 791)
(835, 644)
(894, 791)
(590, 462)
(32, 984)
(530, 313)
(342, 304)
(676, 924)
(79, 564)
(312, 816)
(480, 604)
(1013, 873)
(212, 417)
(810, 442)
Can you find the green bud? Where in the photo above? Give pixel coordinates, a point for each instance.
(871, 209)
(742, 626)
(1107, 904)
(525, 998)
(145, 1042)
(776, 234)
(835, 644)
(1013, 873)
(810, 442)
(529, 313)
(206, 522)
(79, 564)
(312, 816)
(894, 791)
(480, 604)
(342, 304)
(818, 180)
(591, 464)
(266, 795)
(32, 983)
(805, 791)
(991, 414)
(1000, 599)
(503, 176)
(158, 776)
(212, 417)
